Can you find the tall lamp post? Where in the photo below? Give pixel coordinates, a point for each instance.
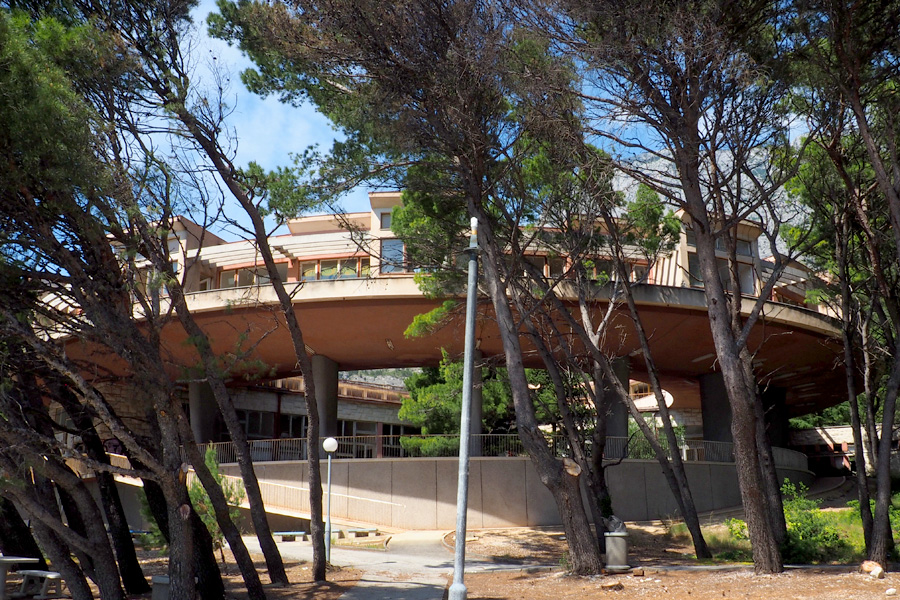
(458, 589)
(329, 445)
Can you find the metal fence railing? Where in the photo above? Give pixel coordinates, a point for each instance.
(487, 445)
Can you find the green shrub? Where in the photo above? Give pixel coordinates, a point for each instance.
(737, 529)
(234, 492)
(811, 536)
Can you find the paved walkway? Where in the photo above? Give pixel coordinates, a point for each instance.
(415, 566)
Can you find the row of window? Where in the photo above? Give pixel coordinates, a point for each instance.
(743, 247)
(746, 277)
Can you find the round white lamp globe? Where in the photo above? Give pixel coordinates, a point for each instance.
(330, 444)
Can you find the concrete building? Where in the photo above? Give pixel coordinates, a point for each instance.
(354, 296)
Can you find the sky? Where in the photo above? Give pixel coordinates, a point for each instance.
(267, 131)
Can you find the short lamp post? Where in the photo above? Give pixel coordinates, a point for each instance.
(329, 445)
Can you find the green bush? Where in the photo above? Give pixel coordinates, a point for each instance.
(234, 492)
(811, 536)
(430, 446)
(737, 529)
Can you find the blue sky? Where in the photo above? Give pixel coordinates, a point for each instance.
(267, 131)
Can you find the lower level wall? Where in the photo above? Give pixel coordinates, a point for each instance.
(420, 493)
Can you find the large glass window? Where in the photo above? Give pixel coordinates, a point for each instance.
(694, 270)
(263, 273)
(292, 426)
(392, 256)
(746, 278)
(308, 271)
(257, 425)
(328, 269)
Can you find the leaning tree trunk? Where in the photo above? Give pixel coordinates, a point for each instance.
(841, 238)
(223, 518)
(15, 535)
(882, 536)
(584, 553)
(274, 562)
(123, 544)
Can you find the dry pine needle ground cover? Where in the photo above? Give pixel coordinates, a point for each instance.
(651, 550)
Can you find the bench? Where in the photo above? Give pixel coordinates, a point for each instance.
(361, 532)
(41, 584)
(290, 536)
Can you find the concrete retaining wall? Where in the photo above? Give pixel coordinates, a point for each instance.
(420, 493)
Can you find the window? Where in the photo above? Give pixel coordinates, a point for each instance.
(557, 266)
(392, 256)
(744, 247)
(292, 426)
(539, 262)
(237, 278)
(308, 271)
(328, 269)
(696, 280)
(604, 271)
(334, 268)
(227, 279)
(348, 267)
(385, 220)
(746, 278)
(263, 273)
(257, 425)
(204, 285)
(391, 441)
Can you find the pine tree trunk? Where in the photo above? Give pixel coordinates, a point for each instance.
(226, 525)
(15, 536)
(584, 554)
(130, 569)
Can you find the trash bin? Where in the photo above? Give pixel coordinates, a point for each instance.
(160, 587)
(616, 551)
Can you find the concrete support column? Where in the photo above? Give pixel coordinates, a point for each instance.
(617, 418)
(715, 407)
(325, 378)
(203, 409)
(774, 401)
(477, 414)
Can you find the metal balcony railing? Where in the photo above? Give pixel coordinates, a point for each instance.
(488, 445)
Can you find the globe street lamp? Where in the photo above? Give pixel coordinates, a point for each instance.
(329, 445)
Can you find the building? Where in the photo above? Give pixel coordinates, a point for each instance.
(354, 296)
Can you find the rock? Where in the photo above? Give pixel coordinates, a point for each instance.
(877, 573)
(868, 566)
(890, 592)
(637, 572)
(612, 586)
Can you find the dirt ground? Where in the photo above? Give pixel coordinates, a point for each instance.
(539, 575)
(657, 558)
(299, 573)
